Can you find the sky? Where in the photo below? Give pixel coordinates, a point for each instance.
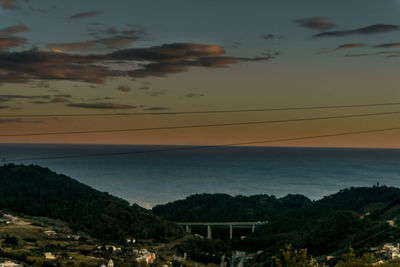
(123, 56)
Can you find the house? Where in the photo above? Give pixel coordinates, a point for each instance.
(146, 256)
(49, 256)
(110, 263)
(50, 233)
(10, 264)
(392, 251)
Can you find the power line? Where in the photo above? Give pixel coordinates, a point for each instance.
(198, 112)
(202, 125)
(207, 147)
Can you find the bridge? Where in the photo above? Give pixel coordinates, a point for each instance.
(231, 225)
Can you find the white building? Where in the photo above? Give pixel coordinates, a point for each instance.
(10, 264)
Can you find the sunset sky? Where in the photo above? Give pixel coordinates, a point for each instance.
(97, 56)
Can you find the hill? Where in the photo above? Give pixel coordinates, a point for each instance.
(37, 191)
(352, 217)
(225, 208)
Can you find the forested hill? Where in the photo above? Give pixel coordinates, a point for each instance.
(37, 191)
(224, 208)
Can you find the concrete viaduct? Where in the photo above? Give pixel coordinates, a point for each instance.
(231, 225)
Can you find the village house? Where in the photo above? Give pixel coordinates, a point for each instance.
(392, 251)
(10, 264)
(50, 233)
(145, 255)
(49, 256)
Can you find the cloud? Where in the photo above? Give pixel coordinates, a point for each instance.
(8, 4)
(101, 106)
(109, 38)
(3, 107)
(8, 42)
(114, 42)
(13, 30)
(170, 52)
(316, 23)
(64, 96)
(192, 95)
(35, 64)
(383, 53)
(156, 108)
(270, 36)
(18, 67)
(155, 93)
(388, 45)
(17, 120)
(7, 38)
(83, 15)
(372, 29)
(5, 98)
(124, 88)
(350, 45)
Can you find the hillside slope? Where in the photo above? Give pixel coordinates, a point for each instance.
(223, 208)
(37, 191)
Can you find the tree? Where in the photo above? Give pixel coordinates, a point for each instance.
(296, 258)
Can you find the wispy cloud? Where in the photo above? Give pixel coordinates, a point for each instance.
(388, 45)
(156, 109)
(350, 45)
(316, 23)
(372, 29)
(192, 95)
(270, 36)
(13, 29)
(101, 106)
(83, 15)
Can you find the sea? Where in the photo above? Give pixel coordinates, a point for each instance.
(169, 173)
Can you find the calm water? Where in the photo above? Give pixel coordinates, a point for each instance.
(153, 178)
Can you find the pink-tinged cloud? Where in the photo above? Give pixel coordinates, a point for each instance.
(9, 42)
(350, 45)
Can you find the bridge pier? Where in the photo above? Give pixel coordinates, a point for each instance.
(209, 232)
(188, 229)
(230, 232)
(253, 228)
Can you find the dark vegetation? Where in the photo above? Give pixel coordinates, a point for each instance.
(352, 217)
(36, 191)
(226, 208)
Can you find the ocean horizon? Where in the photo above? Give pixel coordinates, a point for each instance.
(155, 178)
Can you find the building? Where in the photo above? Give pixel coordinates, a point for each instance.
(110, 263)
(392, 251)
(10, 264)
(146, 256)
(49, 256)
(50, 233)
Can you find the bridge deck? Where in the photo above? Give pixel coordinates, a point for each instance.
(222, 223)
